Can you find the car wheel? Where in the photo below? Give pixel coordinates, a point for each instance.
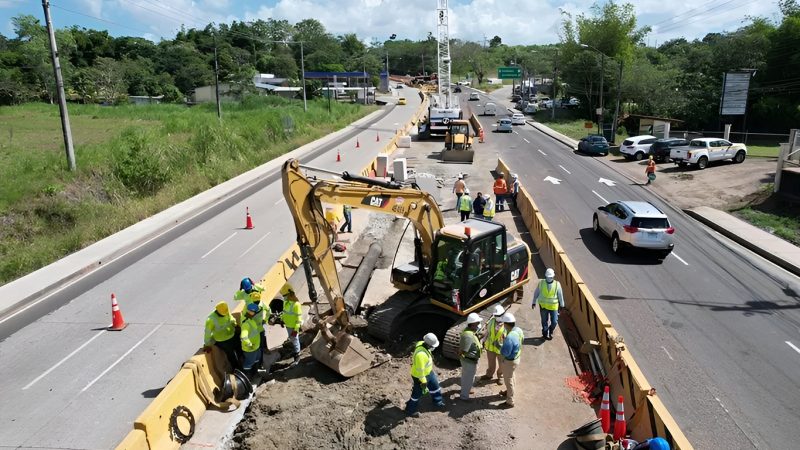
(595, 224)
(739, 158)
(616, 245)
(638, 156)
(702, 163)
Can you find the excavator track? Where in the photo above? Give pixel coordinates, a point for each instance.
(452, 339)
(382, 323)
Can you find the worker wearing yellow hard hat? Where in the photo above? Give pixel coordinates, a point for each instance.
(220, 332)
(292, 317)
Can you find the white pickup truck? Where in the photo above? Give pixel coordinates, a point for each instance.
(705, 150)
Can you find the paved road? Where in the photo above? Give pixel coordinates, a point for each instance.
(70, 384)
(714, 328)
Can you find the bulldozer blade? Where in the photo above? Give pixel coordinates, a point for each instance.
(458, 155)
(346, 355)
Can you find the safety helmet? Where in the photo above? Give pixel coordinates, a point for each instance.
(460, 176)
(651, 156)
(431, 340)
(246, 285)
(287, 289)
(473, 318)
(508, 318)
(498, 310)
(549, 274)
(657, 443)
(466, 191)
(222, 308)
(514, 176)
(253, 307)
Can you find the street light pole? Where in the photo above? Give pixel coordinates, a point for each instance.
(602, 77)
(303, 69)
(616, 111)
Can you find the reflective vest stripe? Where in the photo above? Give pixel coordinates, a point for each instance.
(495, 335)
(292, 314)
(219, 329)
(464, 203)
(421, 361)
(548, 295)
(251, 339)
(488, 210)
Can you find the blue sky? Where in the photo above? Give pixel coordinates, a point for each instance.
(515, 21)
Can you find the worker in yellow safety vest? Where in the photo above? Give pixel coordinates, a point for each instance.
(220, 332)
(470, 354)
(250, 292)
(488, 210)
(465, 205)
(251, 339)
(422, 375)
(511, 350)
(492, 340)
(292, 317)
(549, 296)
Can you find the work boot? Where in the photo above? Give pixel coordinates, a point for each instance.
(414, 415)
(503, 393)
(486, 377)
(296, 359)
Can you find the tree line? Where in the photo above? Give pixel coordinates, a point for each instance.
(679, 78)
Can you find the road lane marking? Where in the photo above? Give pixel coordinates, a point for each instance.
(515, 132)
(564, 169)
(667, 352)
(720, 404)
(54, 367)
(526, 140)
(282, 199)
(540, 151)
(610, 183)
(552, 180)
(601, 197)
(679, 258)
(257, 242)
(793, 346)
(219, 245)
(122, 357)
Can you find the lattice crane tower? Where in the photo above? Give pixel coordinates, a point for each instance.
(443, 40)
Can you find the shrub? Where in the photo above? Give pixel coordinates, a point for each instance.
(139, 163)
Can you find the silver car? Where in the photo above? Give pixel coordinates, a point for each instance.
(635, 224)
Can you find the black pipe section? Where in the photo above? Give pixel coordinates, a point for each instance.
(347, 176)
(358, 285)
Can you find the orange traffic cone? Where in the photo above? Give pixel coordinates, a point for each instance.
(377, 136)
(358, 145)
(338, 156)
(248, 225)
(619, 424)
(605, 411)
(117, 322)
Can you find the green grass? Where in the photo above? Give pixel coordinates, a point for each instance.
(565, 123)
(781, 224)
(133, 161)
(763, 151)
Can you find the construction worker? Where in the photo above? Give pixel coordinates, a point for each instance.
(511, 352)
(492, 340)
(488, 210)
(251, 340)
(220, 331)
(458, 188)
(478, 204)
(470, 354)
(465, 205)
(292, 317)
(422, 375)
(250, 292)
(650, 170)
(347, 212)
(500, 190)
(513, 189)
(550, 297)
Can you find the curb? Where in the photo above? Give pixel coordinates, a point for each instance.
(744, 242)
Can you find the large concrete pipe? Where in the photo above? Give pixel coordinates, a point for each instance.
(358, 285)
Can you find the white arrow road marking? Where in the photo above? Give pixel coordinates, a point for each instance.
(793, 346)
(601, 197)
(564, 169)
(219, 245)
(679, 258)
(515, 132)
(540, 151)
(553, 180)
(607, 182)
(122, 357)
(526, 140)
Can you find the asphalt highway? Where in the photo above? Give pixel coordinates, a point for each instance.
(68, 383)
(715, 328)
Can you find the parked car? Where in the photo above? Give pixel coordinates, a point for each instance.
(457, 89)
(702, 151)
(661, 148)
(635, 224)
(401, 101)
(521, 105)
(490, 109)
(517, 119)
(594, 144)
(531, 108)
(474, 97)
(568, 103)
(515, 98)
(637, 147)
(504, 125)
(545, 102)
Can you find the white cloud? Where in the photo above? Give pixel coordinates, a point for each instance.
(93, 7)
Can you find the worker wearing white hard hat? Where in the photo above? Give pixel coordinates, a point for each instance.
(470, 354)
(550, 297)
(492, 340)
(510, 352)
(423, 376)
(513, 189)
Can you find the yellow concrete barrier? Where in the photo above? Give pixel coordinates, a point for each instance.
(646, 414)
(135, 440)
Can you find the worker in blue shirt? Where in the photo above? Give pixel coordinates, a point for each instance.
(510, 352)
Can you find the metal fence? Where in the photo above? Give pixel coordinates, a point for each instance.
(759, 139)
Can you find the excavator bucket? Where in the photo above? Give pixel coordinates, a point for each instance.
(345, 354)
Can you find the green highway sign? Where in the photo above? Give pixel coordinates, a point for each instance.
(509, 72)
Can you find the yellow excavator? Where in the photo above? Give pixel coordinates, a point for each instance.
(458, 142)
(457, 269)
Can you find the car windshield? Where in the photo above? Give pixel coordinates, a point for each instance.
(650, 222)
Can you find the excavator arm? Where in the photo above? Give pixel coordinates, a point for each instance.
(315, 237)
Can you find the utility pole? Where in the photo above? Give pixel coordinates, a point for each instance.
(216, 78)
(602, 77)
(62, 101)
(555, 77)
(616, 111)
(303, 69)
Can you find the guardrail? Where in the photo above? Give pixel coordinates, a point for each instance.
(152, 429)
(646, 415)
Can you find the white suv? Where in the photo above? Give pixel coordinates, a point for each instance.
(637, 147)
(518, 119)
(635, 224)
